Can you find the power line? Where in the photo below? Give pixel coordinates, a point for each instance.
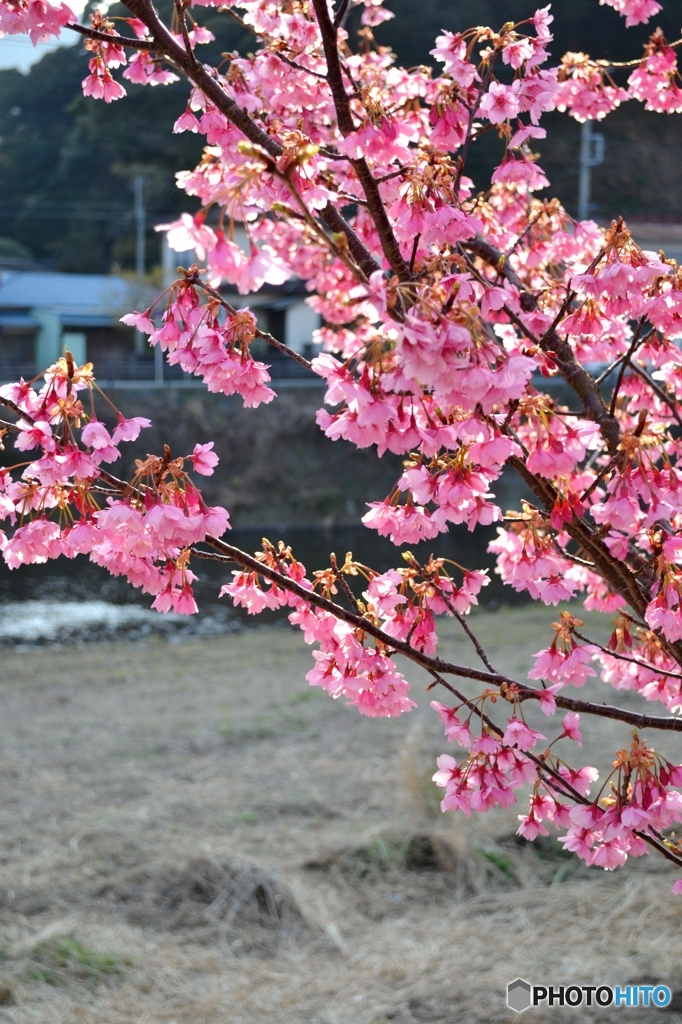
(123, 213)
(56, 215)
(66, 205)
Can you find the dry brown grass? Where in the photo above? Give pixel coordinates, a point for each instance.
(192, 835)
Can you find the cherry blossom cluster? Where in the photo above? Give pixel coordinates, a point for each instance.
(64, 502)
(470, 332)
(39, 19)
(216, 348)
(589, 90)
(636, 12)
(657, 82)
(601, 831)
(100, 83)
(366, 676)
(400, 603)
(605, 831)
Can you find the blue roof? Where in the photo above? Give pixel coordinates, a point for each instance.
(75, 298)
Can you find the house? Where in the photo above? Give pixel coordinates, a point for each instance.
(44, 312)
(281, 311)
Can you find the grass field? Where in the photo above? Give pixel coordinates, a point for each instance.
(191, 834)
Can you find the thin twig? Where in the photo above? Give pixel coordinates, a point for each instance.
(630, 658)
(611, 464)
(464, 152)
(228, 553)
(458, 615)
(106, 37)
(264, 335)
(338, 20)
(300, 67)
(343, 583)
(529, 227)
(657, 391)
(612, 366)
(634, 345)
(469, 632)
(415, 246)
(180, 7)
(393, 174)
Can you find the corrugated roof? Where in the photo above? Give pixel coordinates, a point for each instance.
(71, 296)
(18, 322)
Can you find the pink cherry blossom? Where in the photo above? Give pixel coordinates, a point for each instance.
(499, 103)
(129, 430)
(204, 459)
(519, 734)
(572, 727)
(634, 11)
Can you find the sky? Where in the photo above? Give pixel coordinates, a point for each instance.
(19, 52)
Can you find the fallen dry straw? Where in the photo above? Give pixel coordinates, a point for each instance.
(216, 899)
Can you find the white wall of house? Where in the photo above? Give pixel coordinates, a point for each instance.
(171, 260)
(76, 343)
(299, 323)
(48, 341)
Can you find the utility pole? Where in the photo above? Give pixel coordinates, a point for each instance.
(140, 240)
(140, 226)
(592, 146)
(139, 215)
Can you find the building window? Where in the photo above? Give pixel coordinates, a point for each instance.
(113, 353)
(17, 354)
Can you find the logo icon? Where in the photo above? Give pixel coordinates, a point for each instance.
(518, 995)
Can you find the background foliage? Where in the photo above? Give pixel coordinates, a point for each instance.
(66, 163)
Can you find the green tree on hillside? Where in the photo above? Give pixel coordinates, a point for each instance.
(66, 164)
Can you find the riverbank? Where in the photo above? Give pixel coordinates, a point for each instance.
(191, 834)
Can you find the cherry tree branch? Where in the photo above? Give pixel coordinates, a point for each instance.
(630, 658)
(228, 553)
(375, 204)
(587, 707)
(264, 335)
(9, 404)
(555, 780)
(634, 345)
(207, 81)
(615, 572)
(340, 14)
(577, 378)
(466, 146)
(107, 37)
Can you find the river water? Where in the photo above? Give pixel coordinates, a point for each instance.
(74, 600)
